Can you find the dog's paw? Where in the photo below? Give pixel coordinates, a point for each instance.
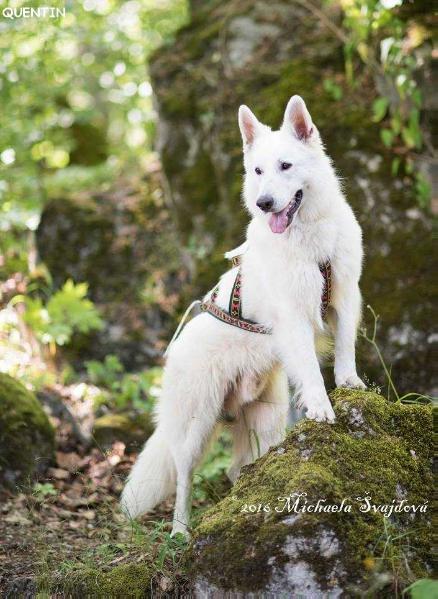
(318, 408)
(350, 382)
(321, 413)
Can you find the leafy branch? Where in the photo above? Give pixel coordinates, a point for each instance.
(386, 45)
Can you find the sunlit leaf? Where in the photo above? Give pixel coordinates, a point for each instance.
(380, 107)
(387, 137)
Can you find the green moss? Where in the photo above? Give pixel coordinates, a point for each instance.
(375, 448)
(26, 435)
(131, 429)
(131, 581)
(69, 227)
(85, 153)
(112, 245)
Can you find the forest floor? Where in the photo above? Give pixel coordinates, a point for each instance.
(71, 519)
(69, 514)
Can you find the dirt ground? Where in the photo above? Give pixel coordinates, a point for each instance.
(71, 517)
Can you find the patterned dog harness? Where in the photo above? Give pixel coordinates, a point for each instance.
(234, 315)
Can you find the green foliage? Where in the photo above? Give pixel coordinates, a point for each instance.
(387, 44)
(333, 89)
(391, 554)
(43, 490)
(76, 101)
(132, 390)
(424, 588)
(168, 549)
(380, 108)
(147, 553)
(423, 190)
(124, 389)
(387, 137)
(408, 398)
(104, 373)
(66, 312)
(208, 481)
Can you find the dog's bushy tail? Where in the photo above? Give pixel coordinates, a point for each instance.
(152, 479)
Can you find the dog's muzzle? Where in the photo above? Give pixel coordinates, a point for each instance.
(279, 221)
(265, 203)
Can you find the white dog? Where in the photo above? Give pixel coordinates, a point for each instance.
(300, 220)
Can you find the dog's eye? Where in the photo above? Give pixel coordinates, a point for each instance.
(258, 170)
(285, 166)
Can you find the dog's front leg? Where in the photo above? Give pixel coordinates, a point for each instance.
(295, 343)
(347, 304)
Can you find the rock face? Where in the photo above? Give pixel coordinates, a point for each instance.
(260, 54)
(26, 435)
(131, 429)
(254, 541)
(123, 245)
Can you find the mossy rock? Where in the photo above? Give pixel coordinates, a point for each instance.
(130, 581)
(82, 235)
(256, 53)
(123, 245)
(131, 429)
(376, 449)
(106, 240)
(26, 436)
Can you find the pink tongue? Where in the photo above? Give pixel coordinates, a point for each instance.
(279, 221)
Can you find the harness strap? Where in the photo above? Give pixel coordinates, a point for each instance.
(326, 271)
(234, 315)
(235, 306)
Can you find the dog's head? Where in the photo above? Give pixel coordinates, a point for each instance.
(280, 165)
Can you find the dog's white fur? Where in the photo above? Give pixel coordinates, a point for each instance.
(214, 367)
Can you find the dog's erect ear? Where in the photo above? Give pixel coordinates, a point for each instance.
(297, 118)
(249, 125)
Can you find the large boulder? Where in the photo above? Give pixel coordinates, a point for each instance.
(258, 53)
(376, 450)
(26, 435)
(122, 243)
(132, 429)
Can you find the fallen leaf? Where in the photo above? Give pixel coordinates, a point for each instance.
(17, 518)
(88, 515)
(58, 473)
(165, 583)
(74, 502)
(69, 461)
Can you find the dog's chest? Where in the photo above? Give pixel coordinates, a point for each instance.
(281, 276)
(283, 287)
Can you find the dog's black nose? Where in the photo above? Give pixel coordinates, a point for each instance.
(265, 203)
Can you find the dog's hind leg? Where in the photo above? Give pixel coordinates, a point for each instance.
(181, 514)
(198, 414)
(186, 457)
(260, 424)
